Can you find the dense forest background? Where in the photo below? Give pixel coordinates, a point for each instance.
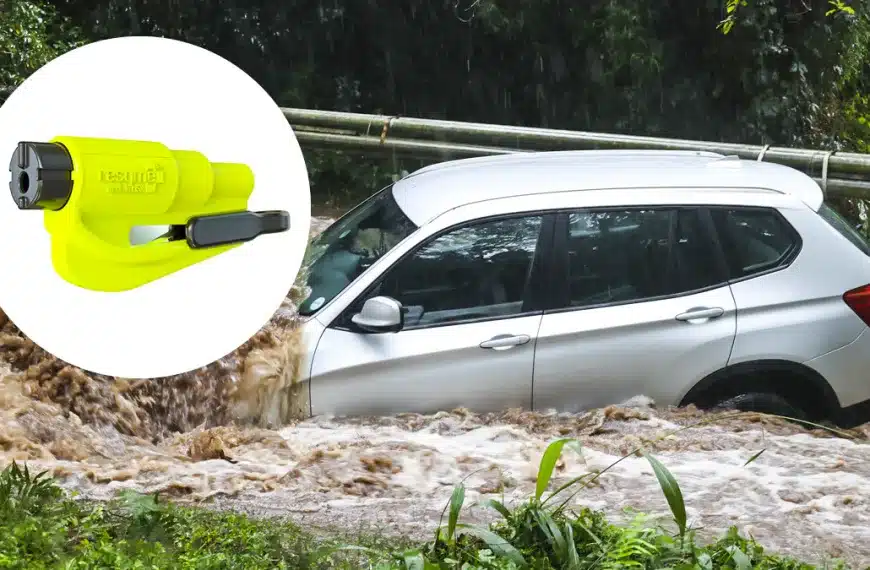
(784, 72)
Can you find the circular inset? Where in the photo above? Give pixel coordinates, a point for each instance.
(165, 245)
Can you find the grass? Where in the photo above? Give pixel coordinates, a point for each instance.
(42, 528)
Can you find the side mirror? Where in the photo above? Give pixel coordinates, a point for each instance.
(379, 315)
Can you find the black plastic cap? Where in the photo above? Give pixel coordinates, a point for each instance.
(41, 176)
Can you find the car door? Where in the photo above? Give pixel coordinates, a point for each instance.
(641, 307)
(472, 301)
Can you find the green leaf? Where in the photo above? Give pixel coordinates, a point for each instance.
(671, 490)
(754, 457)
(414, 561)
(741, 561)
(549, 527)
(495, 543)
(456, 501)
(548, 463)
(591, 534)
(498, 506)
(572, 556)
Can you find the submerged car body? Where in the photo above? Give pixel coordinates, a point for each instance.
(573, 280)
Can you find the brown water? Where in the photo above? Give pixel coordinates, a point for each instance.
(326, 214)
(232, 436)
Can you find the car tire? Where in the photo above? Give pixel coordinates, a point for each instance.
(761, 402)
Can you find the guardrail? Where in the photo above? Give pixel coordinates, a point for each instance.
(837, 173)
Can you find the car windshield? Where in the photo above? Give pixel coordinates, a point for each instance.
(349, 246)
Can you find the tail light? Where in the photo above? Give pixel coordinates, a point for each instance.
(859, 301)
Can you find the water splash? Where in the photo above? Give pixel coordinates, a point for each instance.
(232, 434)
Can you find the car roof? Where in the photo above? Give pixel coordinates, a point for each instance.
(433, 190)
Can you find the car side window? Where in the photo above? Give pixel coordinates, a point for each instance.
(754, 240)
(696, 258)
(477, 271)
(622, 256)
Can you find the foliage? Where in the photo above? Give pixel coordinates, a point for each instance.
(31, 35)
(40, 528)
(856, 119)
(632, 66)
(732, 9)
(783, 74)
(340, 179)
(628, 66)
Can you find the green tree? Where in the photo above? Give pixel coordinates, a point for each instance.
(31, 35)
(787, 73)
(733, 9)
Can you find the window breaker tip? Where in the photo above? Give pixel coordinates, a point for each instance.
(41, 176)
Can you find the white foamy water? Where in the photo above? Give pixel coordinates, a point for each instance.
(805, 496)
(319, 223)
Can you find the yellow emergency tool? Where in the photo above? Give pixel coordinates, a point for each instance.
(95, 191)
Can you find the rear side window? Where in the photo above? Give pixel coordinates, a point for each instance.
(754, 240)
(624, 256)
(837, 222)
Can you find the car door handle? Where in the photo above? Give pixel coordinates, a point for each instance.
(701, 313)
(504, 341)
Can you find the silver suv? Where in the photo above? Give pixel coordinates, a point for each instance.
(573, 280)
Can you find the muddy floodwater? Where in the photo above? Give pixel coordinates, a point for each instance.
(226, 437)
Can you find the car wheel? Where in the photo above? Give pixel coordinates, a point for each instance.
(761, 402)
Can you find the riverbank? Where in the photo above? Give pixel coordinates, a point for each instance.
(42, 528)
